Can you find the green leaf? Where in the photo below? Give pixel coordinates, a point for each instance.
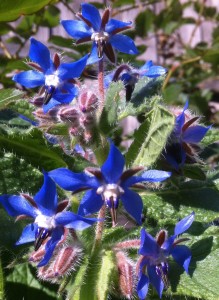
(211, 137)
(23, 280)
(105, 274)
(151, 137)
(17, 175)
(22, 7)
(109, 114)
(202, 281)
(77, 282)
(1, 282)
(34, 148)
(170, 204)
(145, 94)
(212, 56)
(194, 172)
(61, 41)
(144, 22)
(5, 28)
(9, 95)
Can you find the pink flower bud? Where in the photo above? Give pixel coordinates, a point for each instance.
(126, 274)
(66, 260)
(88, 101)
(69, 115)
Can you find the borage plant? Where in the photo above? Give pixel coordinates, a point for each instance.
(123, 185)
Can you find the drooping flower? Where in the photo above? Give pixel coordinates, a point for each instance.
(108, 185)
(50, 218)
(130, 76)
(57, 79)
(152, 266)
(103, 32)
(184, 139)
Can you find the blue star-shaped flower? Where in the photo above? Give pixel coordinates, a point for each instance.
(155, 253)
(108, 185)
(56, 78)
(50, 218)
(184, 139)
(130, 76)
(103, 32)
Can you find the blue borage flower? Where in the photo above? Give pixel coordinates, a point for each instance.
(130, 76)
(56, 78)
(107, 185)
(50, 218)
(103, 32)
(152, 266)
(184, 139)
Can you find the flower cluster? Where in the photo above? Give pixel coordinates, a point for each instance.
(88, 127)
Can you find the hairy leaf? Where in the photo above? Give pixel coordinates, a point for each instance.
(151, 137)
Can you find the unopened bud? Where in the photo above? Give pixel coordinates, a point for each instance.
(37, 256)
(88, 101)
(126, 274)
(131, 244)
(66, 260)
(69, 115)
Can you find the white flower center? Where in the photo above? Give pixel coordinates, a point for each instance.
(45, 221)
(52, 80)
(100, 37)
(110, 191)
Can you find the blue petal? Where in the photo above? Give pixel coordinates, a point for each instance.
(91, 13)
(71, 220)
(58, 99)
(182, 256)
(40, 54)
(184, 224)
(72, 70)
(132, 203)
(70, 88)
(180, 120)
(116, 24)
(93, 57)
(167, 245)
(113, 166)
(73, 181)
(142, 287)
(146, 66)
(30, 79)
(155, 280)
(123, 43)
(153, 72)
(51, 244)
(90, 203)
(195, 134)
(28, 234)
(149, 246)
(52, 103)
(108, 79)
(17, 205)
(77, 29)
(46, 198)
(150, 176)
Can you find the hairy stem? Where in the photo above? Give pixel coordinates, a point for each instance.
(99, 227)
(101, 85)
